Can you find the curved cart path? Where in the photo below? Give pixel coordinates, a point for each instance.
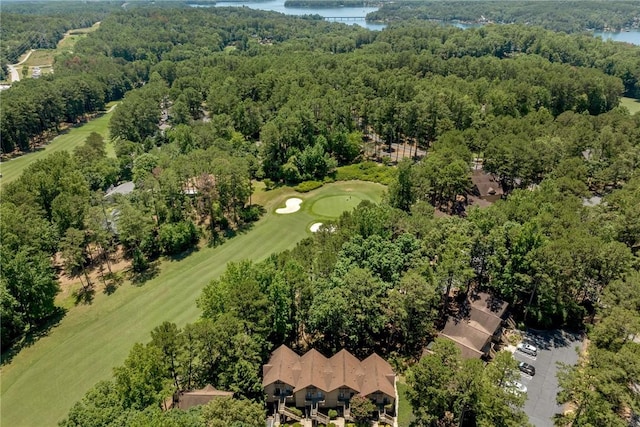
(13, 70)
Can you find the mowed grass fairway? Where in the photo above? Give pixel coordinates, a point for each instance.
(43, 381)
(46, 57)
(12, 169)
(633, 105)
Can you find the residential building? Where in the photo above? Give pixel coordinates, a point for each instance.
(486, 186)
(476, 324)
(187, 399)
(313, 382)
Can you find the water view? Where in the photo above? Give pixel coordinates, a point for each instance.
(356, 15)
(632, 37)
(347, 15)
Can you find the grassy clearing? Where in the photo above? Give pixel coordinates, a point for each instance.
(45, 57)
(41, 57)
(43, 381)
(405, 415)
(12, 169)
(633, 105)
(366, 171)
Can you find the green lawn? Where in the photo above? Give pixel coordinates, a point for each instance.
(42, 57)
(12, 169)
(334, 205)
(43, 381)
(405, 415)
(633, 105)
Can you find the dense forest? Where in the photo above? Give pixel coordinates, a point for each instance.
(217, 99)
(565, 16)
(42, 25)
(423, 61)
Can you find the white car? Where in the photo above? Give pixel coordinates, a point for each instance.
(515, 387)
(528, 349)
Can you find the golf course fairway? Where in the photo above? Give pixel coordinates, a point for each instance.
(12, 169)
(43, 381)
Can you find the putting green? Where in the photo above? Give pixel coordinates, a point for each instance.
(333, 206)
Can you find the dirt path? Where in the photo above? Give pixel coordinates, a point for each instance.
(13, 70)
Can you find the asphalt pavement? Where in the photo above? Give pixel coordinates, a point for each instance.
(553, 346)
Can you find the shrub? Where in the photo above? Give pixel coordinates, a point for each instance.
(268, 184)
(332, 414)
(178, 237)
(251, 213)
(296, 411)
(331, 425)
(139, 263)
(366, 171)
(307, 186)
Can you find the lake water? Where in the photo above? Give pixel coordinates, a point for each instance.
(333, 13)
(632, 37)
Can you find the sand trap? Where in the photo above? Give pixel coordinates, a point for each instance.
(291, 205)
(315, 227)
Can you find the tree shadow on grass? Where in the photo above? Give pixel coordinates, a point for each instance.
(114, 281)
(247, 222)
(242, 229)
(33, 335)
(139, 278)
(221, 236)
(184, 254)
(84, 295)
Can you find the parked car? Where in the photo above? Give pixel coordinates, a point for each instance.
(526, 368)
(515, 387)
(527, 349)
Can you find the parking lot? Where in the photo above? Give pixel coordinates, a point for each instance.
(553, 346)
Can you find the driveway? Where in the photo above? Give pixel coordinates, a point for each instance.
(553, 346)
(13, 69)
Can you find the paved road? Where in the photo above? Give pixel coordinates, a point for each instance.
(13, 69)
(553, 347)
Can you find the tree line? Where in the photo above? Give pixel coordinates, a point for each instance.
(451, 76)
(564, 16)
(602, 386)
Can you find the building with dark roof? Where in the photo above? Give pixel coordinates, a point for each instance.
(476, 325)
(315, 381)
(486, 186)
(187, 399)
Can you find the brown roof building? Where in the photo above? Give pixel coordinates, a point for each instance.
(194, 185)
(486, 186)
(312, 380)
(477, 323)
(188, 399)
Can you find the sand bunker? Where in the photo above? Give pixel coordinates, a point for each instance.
(291, 205)
(315, 227)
